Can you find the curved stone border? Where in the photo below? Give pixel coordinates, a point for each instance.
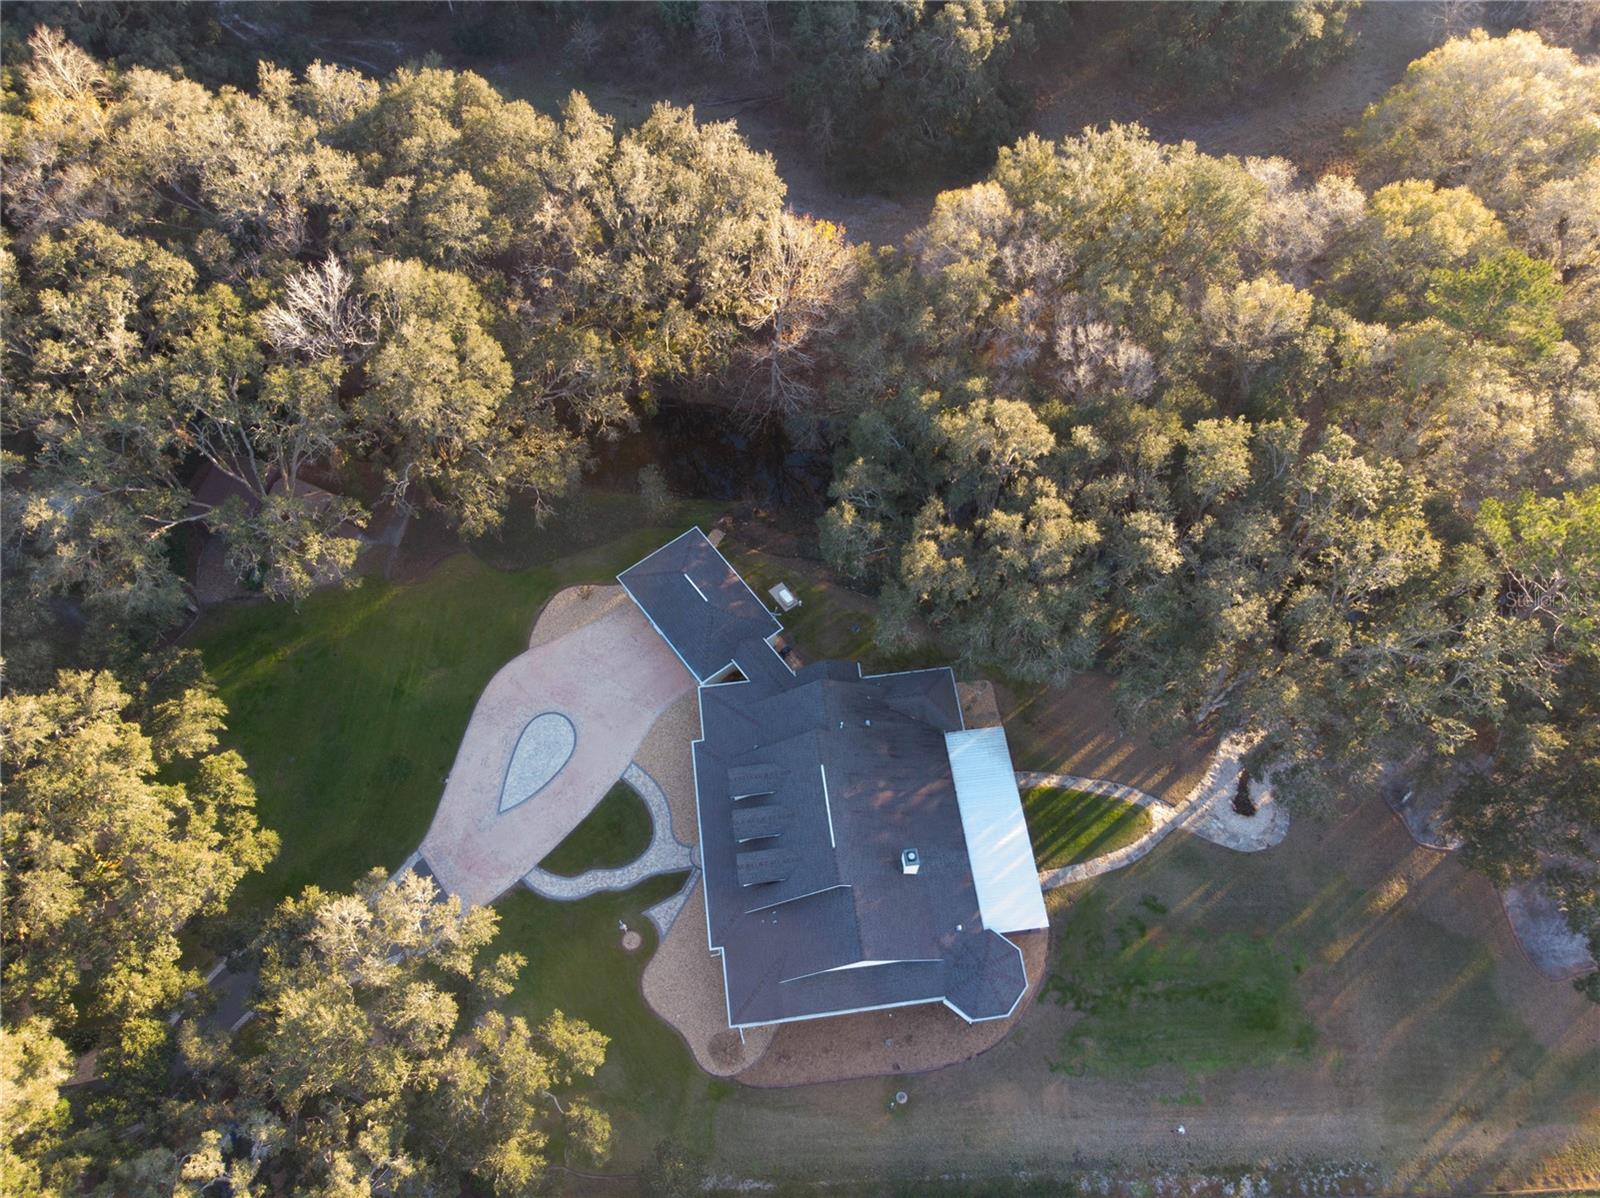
(1163, 816)
(530, 760)
(664, 913)
(666, 855)
(1207, 811)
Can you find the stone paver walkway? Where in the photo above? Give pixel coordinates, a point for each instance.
(665, 913)
(1207, 812)
(666, 855)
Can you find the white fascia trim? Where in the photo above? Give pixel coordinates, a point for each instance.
(1023, 993)
(827, 806)
(925, 670)
(768, 642)
(797, 897)
(720, 677)
(817, 973)
(699, 828)
(918, 670)
(660, 547)
(727, 995)
(740, 577)
(887, 1006)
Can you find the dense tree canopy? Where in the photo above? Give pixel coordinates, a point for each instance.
(1223, 46)
(1313, 461)
(890, 90)
(122, 824)
(324, 275)
(1505, 117)
(1284, 457)
(382, 1065)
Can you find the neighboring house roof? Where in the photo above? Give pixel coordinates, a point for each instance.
(809, 785)
(318, 497)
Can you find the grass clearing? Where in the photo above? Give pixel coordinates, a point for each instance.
(613, 834)
(350, 708)
(1429, 1027)
(590, 517)
(1070, 826)
(1152, 994)
(649, 1085)
(1441, 1063)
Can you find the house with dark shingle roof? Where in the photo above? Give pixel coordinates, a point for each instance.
(860, 847)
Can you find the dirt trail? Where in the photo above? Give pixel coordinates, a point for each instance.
(1304, 123)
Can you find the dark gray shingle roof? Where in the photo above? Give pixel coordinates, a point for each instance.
(809, 786)
(699, 604)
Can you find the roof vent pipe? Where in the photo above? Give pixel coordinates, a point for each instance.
(910, 861)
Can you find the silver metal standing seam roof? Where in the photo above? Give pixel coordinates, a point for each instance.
(1003, 867)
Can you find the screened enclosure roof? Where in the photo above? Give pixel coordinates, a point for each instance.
(997, 832)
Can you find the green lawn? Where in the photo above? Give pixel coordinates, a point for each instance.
(649, 1084)
(613, 834)
(1069, 826)
(1154, 993)
(350, 709)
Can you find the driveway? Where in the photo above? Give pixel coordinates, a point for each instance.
(611, 678)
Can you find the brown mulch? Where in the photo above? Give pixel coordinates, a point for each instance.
(978, 706)
(571, 609)
(665, 755)
(883, 1043)
(683, 984)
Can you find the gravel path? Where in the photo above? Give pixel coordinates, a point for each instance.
(666, 855)
(1207, 811)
